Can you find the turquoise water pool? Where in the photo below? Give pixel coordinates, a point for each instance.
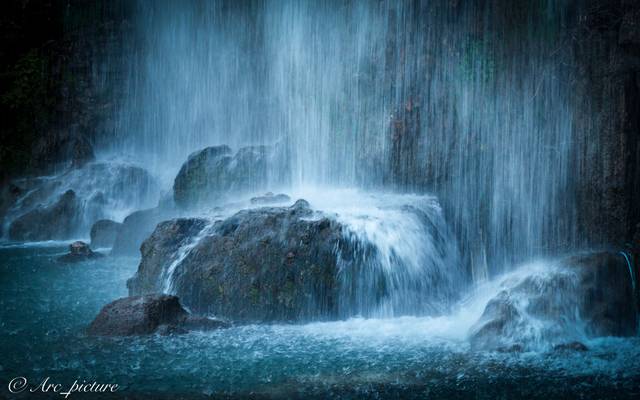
(45, 307)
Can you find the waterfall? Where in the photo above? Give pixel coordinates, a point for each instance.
(466, 100)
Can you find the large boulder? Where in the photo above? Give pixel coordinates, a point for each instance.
(78, 251)
(581, 296)
(214, 174)
(56, 221)
(267, 264)
(135, 228)
(143, 315)
(103, 233)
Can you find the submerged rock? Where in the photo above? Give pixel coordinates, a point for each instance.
(267, 264)
(270, 198)
(56, 221)
(143, 315)
(79, 251)
(589, 295)
(214, 174)
(104, 232)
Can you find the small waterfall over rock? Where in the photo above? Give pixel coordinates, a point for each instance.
(399, 253)
(342, 254)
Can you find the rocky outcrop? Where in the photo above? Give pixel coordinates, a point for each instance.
(160, 250)
(267, 264)
(607, 122)
(103, 233)
(135, 228)
(213, 174)
(144, 315)
(56, 221)
(590, 295)
(78, 251)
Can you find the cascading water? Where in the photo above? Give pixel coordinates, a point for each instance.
(399, 246)
(379, 199)
(461, 99)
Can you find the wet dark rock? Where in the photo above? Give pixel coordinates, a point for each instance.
(56, 221)
(81, 151)
(159, 251)
(143, 315)
(607, 106)
(594, 290)
(215, 175)
(270, 198)
(135, 228)
(140, 315)
(571, 346)
(167, 330)
(499, 321)
(629, 33)
(104, 232)
(607, 299)
(266, 264)
(79, 251)
(636, 238)
(301, 204)
(99, 189)
(9, 194)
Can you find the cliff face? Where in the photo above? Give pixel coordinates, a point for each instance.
(57, 97)
(607, 128)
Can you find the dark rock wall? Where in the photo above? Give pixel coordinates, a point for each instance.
(607, 43)
(56, 97)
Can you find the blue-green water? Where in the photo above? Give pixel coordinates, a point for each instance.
(45, 307)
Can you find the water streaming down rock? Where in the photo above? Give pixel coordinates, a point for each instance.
(558, 302)
(66, 205)
(399, 251)
(463, 99)
(374, 255)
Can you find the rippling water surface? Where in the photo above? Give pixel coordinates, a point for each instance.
(45, 307)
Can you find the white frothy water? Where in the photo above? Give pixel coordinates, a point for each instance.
(182, 253)
(400, 249)
(534, 332)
